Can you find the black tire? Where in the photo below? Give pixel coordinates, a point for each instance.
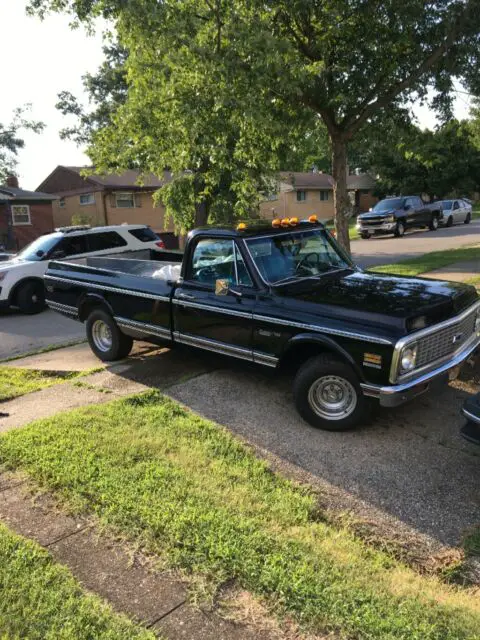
(30, 297)
(433, 225)
(323, 375)
(468, 219)
(399, 229)
(450, 221)
(365, 235)
(115, 345)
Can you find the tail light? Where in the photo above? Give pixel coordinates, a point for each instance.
(160, 244)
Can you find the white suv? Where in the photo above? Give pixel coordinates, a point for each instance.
(21, 278)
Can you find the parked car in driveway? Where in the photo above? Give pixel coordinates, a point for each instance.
(455, 211)
(396, 215)
(281, 294)
(21, 277)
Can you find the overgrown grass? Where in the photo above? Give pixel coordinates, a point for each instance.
(17, 382)
(429, 261)
(40, 600)
(186, 489)
(352, 228)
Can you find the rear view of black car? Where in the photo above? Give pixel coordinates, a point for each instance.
(396, 215)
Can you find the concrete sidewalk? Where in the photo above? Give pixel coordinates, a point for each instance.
(457, 271)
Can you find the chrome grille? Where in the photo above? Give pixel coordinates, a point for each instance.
(372, 221)
(445, 342)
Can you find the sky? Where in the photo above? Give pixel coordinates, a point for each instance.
(40, 59)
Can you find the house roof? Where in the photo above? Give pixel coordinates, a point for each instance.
(313, 180)
(126, 180)
(13, 193)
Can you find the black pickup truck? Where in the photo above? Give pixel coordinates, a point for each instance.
(395, 215)
(283, 296)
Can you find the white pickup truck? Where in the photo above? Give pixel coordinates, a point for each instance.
(21, 278)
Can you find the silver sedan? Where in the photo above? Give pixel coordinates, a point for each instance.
(455, 211)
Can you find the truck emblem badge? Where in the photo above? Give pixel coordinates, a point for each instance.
(457, 337)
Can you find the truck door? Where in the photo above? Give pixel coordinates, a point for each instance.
(202, 317)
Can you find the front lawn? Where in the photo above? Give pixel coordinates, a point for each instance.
(17, 382)
(40, 600)
(429, 261)
(186, 489)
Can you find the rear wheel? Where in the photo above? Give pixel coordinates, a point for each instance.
(433, 226)
(365, 235)
(105, 338)
(399, 229)
(30, 297)
(468, 218)
(449, 221)
(328, 394)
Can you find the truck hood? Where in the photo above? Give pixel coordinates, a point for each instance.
(380, 300)
(376, 214)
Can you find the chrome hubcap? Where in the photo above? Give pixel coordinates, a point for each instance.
(102, 335)
(332, 397)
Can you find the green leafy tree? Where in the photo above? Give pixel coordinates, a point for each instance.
(11, 141)
(341, 61)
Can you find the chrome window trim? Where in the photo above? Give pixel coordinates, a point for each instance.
(130, 292)
(206, 307)
(418, 335)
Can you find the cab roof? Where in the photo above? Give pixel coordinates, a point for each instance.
(254, 228)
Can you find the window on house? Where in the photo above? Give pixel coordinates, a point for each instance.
(324, 196)
(125, 200)
(87, 198)
(61, 203)
(21, 214)
(301, 196)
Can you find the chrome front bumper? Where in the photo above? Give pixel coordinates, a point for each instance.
(395, 395)
(386, 227)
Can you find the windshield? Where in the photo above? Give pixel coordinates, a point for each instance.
(44, 243)
(387, 205)
(296, 255)
(447, 204)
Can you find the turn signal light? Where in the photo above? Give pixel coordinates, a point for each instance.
(276, 223)
(241, 226)
(293, 221)
(313, 218)
(285, 222)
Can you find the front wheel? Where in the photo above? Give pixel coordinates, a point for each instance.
(468, 218)
(399, 229)
(328, 394)
(365, 235)
(450, 221)
(30, 297)
(105, 338)
(433, 226)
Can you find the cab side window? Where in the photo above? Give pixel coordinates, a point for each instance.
(105, 240)
(70, 246)
(217, 259)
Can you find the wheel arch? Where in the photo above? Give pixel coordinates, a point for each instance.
(90, 301)
(304, 346)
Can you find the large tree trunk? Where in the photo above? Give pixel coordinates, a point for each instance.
(201, 213)
(340, 193)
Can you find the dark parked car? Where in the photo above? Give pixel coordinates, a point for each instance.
(279, 296)
(396, 215)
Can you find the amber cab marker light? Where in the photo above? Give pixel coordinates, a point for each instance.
(293, 221)
(276, 223)
(285, 222)
(313, 219)
(241, 226)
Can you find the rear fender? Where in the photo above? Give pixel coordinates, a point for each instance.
(89, 301)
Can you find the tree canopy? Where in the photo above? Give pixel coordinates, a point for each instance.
(11, 141)
(231, 79)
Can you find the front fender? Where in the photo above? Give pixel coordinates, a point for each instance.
(302, 340)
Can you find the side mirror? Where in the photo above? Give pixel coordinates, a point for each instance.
(222, 287)
(406, 207)
(40, 253)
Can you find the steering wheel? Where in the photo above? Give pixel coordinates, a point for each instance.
(303, 263)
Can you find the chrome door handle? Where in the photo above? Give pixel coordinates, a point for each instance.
(186, 296)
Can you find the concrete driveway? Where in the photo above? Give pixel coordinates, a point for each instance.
(386, 249)
(23, 334)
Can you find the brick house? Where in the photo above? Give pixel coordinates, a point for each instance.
(109, 199)
(24, 215)
(302, 194)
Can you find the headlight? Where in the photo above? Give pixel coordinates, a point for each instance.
(390, 219)
(2, 275)
(408, 358)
